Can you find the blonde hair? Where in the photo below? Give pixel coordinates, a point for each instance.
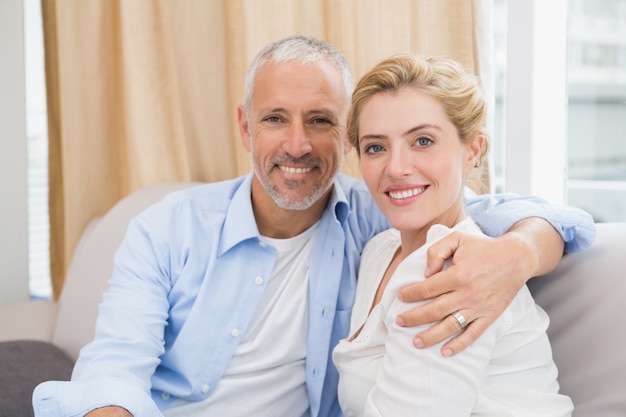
(444, 79)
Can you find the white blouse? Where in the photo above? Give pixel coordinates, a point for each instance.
(508, 371)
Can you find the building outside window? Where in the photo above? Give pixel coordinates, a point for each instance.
(37, 150)
(596, 105)
(597, 108)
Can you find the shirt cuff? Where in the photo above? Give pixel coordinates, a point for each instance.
(76, 398)
(496, 214)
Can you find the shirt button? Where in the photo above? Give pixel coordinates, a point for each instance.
(165, 396)
(205, 389)
(258, 280)
(262, 244)
(234, 332)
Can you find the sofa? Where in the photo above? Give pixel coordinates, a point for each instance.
(585, 298)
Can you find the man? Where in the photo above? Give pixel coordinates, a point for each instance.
(226, 299)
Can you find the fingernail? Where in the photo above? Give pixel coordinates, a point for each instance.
(447, 353)
(400, 297)
(418, 342)
(400, 321)
(427, 271)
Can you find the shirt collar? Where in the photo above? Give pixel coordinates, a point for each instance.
(339, 202)
(240, 224)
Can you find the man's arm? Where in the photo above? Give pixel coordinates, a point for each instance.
(485, 273)
(117, 366)
(481, 282)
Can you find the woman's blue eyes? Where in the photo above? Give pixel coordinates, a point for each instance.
(423, 141)
(375, 148)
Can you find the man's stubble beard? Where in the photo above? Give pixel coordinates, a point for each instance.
(295, 201)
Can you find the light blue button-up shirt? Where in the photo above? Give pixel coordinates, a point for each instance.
(186, 283)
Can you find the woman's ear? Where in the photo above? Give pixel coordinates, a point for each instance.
(475, 152)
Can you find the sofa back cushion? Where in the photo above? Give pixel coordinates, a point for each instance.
(585, 298)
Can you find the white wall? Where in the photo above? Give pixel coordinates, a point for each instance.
(13, 206)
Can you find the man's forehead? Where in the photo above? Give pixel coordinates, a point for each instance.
(295, 87)
(296, 75)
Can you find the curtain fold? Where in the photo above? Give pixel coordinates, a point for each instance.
(145, 91)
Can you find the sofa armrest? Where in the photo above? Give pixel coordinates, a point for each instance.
(30, 320)
(24, 365)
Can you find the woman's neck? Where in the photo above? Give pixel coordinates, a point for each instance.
(411, 240)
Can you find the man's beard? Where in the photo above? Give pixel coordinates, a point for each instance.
(296, 200)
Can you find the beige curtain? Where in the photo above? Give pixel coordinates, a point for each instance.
(142, 91)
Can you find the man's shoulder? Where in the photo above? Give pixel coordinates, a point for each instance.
(360, 204)
(207, 193)
(348, 182)
(213, 196)
(351, 187)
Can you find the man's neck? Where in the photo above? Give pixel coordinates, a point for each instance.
(279, 223)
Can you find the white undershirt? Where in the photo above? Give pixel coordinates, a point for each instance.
(266, 376)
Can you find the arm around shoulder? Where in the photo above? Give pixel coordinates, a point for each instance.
(498, 213)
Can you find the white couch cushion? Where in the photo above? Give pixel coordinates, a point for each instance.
(585, 298)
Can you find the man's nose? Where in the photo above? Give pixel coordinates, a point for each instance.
(297, 143)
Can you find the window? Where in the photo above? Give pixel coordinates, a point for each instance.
(597, 108)
(37, 151)
(593, 151)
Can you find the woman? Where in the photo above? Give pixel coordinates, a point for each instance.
(418, 127)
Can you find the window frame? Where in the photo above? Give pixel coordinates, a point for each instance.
(13, 155)
(535, 147)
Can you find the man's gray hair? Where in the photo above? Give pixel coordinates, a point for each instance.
(304, 49)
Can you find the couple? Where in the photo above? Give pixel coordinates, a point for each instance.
(228, 298)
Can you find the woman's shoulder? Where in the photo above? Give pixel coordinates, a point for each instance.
(385, 241)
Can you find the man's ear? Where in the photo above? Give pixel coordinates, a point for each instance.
(244, 127)
(347, 146)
